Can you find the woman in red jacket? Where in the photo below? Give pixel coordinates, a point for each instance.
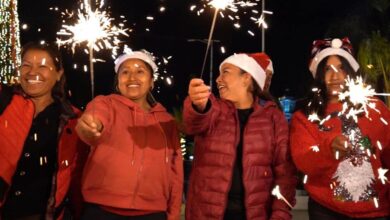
(135, 168)
(343, 160)
(241, 146)
(40, 154)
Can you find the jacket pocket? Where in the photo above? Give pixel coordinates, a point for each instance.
(154, 182)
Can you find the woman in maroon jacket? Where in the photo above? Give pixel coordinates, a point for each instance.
(342, 159)
(241, 147)
(40, 154)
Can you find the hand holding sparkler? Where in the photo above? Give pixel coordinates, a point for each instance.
(89, 127)
(340, 146)
(199, 94)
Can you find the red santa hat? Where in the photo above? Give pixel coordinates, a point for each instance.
(324, 48)
(255, 64)
(141, 55)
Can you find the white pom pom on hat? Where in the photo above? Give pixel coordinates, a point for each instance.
(255, 64)
(334, 48)
(141, 55)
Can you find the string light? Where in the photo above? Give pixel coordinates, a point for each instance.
(9, 40)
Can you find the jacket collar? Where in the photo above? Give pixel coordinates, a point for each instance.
(120, 98)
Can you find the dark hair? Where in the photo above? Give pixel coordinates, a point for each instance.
(58, 91)
(149, 97)
(258, 92)
(317, 97)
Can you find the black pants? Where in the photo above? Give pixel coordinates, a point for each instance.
(319, 212)
(96, 213)
(234, 216)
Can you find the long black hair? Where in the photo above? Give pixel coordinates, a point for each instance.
(261, 94)
(58, 91)
(317, 97)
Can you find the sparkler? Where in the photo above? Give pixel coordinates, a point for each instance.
(276, 192)
(382, 175)
(360, 97)
(218, 5)
(222, 5)
(95, 28)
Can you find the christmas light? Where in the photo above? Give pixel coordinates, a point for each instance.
(9, 40)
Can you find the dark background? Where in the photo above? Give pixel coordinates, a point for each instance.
(292, 28)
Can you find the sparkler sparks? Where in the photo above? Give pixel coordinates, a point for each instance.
(95, 28)
(276, 192)
(382, 175)
(360, 96)
(315, 148)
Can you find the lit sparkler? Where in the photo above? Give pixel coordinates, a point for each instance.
(95, 28)
(360, 96)
(276, 192)
(382, 175)
(220, 6)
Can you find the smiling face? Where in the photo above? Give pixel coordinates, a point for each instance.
(38, 73)
(334, 76)
(233, 84)
(135, 80)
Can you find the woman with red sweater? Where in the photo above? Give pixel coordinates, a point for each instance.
(241, 146)
(135, 168)
(343, 160)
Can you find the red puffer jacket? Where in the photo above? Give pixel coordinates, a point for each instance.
(15, 123)
(266, 161)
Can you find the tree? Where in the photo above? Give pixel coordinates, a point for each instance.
(374, 58)
(9, 40)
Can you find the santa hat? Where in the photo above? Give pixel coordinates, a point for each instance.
(264, 60)
(254, 64)
(324, 48)
(141, 55)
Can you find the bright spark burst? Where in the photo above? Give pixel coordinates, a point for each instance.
(358, 98)
(232, 9)
(276, 192)
(314, 117)
(223, 4)
(315, 148)
(305, 179)
(382, 175)
(93, 27)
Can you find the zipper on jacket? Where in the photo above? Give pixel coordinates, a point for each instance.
(50, 208)
(234, 159)
(139, 170)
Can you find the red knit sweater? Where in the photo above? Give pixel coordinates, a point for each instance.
(320, 166)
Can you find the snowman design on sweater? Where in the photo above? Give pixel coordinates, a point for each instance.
(354, 177)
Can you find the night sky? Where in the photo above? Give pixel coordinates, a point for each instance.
(292, 28)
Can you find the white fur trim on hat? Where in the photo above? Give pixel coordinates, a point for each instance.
(270, 67)
(135, 55)
(249, 65)
(332, 51)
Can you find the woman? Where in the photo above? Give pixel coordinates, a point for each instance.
(340, 157)
(40, 154)
(241, 146)
(135, 168)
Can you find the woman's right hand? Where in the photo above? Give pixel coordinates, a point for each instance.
(341, 145)
(199, 93)
(89, 127)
